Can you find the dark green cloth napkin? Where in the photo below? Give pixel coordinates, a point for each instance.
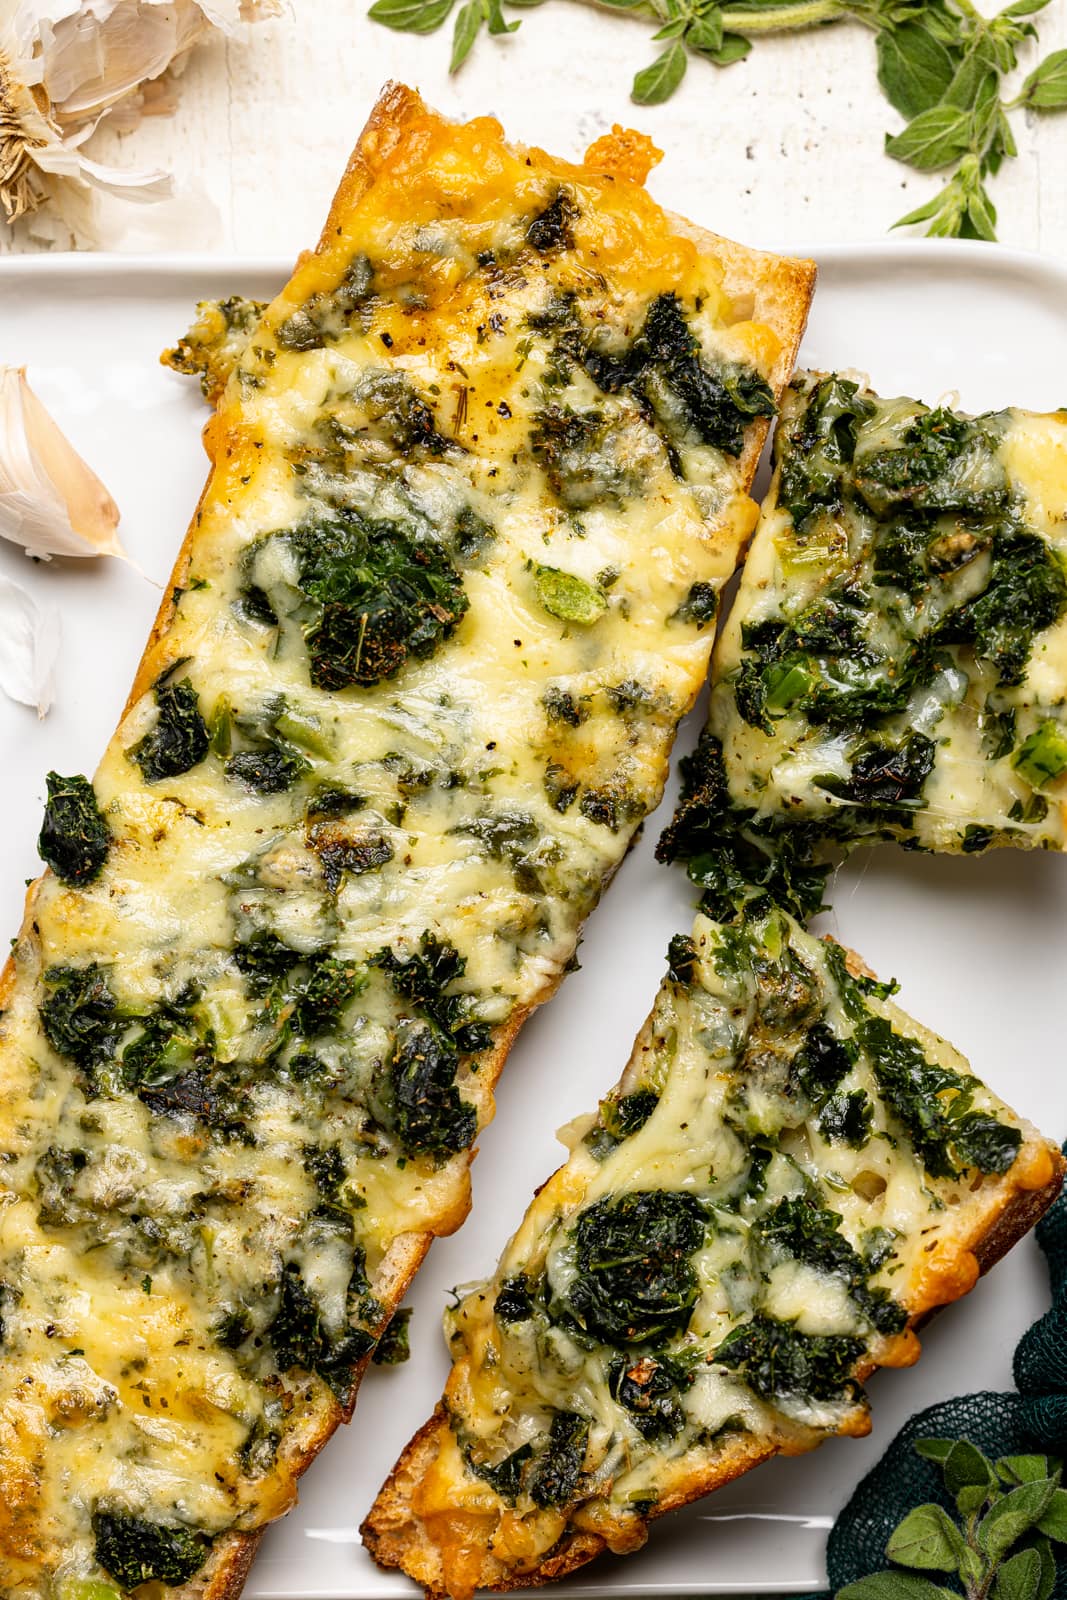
(1032, 1418)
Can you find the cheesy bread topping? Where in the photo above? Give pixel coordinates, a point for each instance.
(450, 588)
(789, 1169)
(896, 663)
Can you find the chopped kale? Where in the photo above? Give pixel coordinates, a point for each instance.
(263, 960)
(232, 1329)
(1042, 757)
(847, 1119)
(505, 1477)
(627, 1114)
(816, 450)
(551, 229)
(397, 410)
(429, 1115)
(933, 1103)
(328, 314)
(320, 1000)
(1026, 593)
(270, 770)
(55, 1175)
(700, 606)
(555, 1476)
(133, 1550)
(366, 852)
(799, 1229)
(168, 1040)
(299, 1339)
(886, 776)
(821, 1063)
(585, 459)
(736, 858)
(394, 1346)
(514, 1301)
(330, 801)
(561, 706)
(682, 958)
(325, 1166)
(74, 839)
(197, 1094)
(634, 1280)
(942, 462)
(649, 1389)
(79, 1016)
(717, 405)
(254, 606)
(379, 594)
(471, 536)
(779, 1363)
(179, 740)
(425, 977)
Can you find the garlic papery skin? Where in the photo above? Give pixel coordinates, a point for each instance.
(51, 501)
(29, 647)
(66, 66)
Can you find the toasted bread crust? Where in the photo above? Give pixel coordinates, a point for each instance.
(396, 1538)
(780, 290)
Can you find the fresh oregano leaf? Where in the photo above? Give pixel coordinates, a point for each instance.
(972, 1570)
(941, 64)
(1046, 1581)
(914, 68)
(1046, 87)
(705, 33)
(734, 47)
(894, 1586)
(468, 25)
(931, 140)
(1018, 1577)
(928, 1539)
(966, 1465)
(1019, 1511)
(411, 16)
(1022, 1469)
(935, 1449)
(658, 82)
(1053, 1522)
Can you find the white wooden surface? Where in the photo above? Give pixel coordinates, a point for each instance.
(785, 147)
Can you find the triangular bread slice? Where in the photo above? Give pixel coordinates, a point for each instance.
(789, 1177)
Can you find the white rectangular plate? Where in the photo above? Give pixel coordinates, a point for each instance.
(978, 944)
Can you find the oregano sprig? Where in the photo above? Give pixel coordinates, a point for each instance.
(1010, 1514)
(941, 64)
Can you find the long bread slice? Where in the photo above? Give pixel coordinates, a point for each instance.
(790, 1175)
(895, 664)
(477, 479)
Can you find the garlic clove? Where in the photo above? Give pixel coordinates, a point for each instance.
(29, 647)
(51, 501)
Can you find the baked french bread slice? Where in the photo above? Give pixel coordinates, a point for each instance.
(478, 475)
(789, 1177)
(895, 664)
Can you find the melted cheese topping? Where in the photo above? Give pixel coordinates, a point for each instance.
(763, 1099)
(895, 665)
(210, 1169)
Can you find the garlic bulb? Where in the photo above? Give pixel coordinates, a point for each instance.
(29, 645)
(65, 67)
(51, 501)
